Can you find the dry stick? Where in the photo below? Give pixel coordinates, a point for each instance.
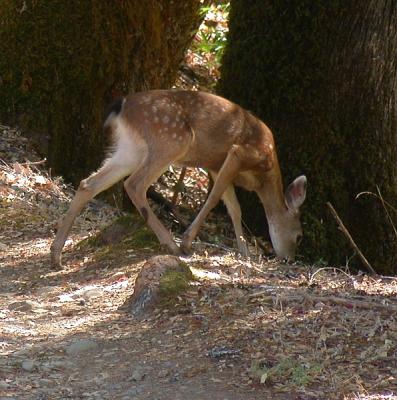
(178, 185)
(28, 163)
(369, 305)
(350, 239)
(158, 198)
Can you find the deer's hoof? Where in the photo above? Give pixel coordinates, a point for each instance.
(56, 263)
(186, 245)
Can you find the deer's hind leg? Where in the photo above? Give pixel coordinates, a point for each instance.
(122, 163)
(161, 156)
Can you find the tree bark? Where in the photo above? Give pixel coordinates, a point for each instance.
(62, 62)
(323, 75)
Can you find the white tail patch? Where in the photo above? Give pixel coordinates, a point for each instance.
(129, 150)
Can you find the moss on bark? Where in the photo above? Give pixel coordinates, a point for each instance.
(62, 62)
(323, 76)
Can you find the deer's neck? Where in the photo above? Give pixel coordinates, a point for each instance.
(271, 194)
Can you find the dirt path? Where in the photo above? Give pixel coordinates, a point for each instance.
(244, 330)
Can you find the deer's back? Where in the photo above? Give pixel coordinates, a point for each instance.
(208, 125)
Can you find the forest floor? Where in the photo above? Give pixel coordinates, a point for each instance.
(245, 329)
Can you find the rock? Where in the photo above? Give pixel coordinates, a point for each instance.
(22, 306)
(131, 393)
(138, 375)
(21, 353)
(161, 278)
(163, 373)
(4, 385)
(114, 233)
(57, 365)
(81, 346)
(91, 294)
(29, 365)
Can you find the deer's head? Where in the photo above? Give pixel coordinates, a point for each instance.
(285, 227)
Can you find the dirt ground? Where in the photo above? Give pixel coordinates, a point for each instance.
(245, 329)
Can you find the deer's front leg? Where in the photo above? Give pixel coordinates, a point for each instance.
(233, 208)
(227, 173)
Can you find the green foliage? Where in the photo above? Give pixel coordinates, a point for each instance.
(286, 370)
(311, 71)
(210, 40)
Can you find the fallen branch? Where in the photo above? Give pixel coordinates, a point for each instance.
(350, 239)
(158, 198)
(28, 163)
(368, 305)
(347, 302)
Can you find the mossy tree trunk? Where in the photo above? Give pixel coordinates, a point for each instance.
(323, 75)
(62, 62)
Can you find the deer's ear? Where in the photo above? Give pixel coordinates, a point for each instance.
(296, 193)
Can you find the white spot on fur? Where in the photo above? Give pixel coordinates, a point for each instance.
(174, 135)
(166, 119)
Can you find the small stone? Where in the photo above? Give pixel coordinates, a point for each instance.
(138, 375)
(91, 294)
(81, 346)
(46, 382)
(163, 373)
(22, 306)
(131, 393)
(29, 365)
(56, 365)
(4, 385)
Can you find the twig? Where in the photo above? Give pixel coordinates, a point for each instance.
(28, 163)
(158, 198)
(311, 279)
(369, 305)
(178, 186)
(384, 204)
(350, 239)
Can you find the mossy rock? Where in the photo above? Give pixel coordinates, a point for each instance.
(175, 281)
(127, 233)
(161, 280)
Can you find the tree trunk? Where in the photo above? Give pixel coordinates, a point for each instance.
(323, 75)
(62, 62)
